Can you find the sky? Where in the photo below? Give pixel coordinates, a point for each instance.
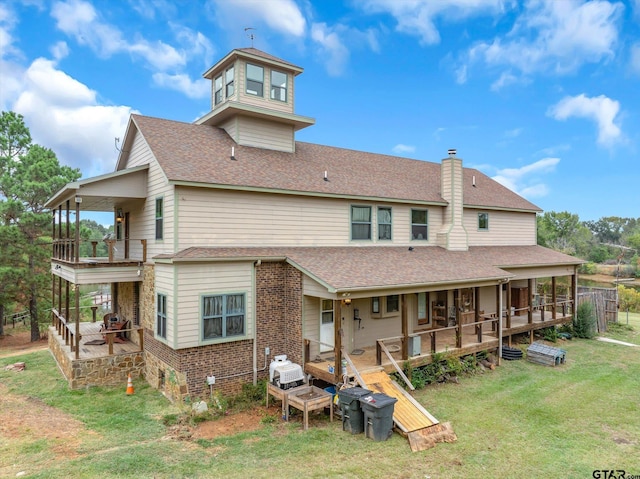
(541, 95)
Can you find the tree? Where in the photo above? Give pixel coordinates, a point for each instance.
(29, 175)
(563, 231)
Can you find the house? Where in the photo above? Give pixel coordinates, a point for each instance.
(235, 243)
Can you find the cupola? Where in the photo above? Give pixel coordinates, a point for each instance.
(252, 99)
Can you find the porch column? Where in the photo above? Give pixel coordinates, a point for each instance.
(508, 305)
(337, 340)
(77, 338)
(66, 302)
(530, 310)
(574, 292)
(69, 253)
(498, 303)
(554, 298)
(77, 239)
(476, 302)
(456, 303)
(61, 245)
(405, 327)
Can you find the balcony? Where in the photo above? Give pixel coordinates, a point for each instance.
(99, 261)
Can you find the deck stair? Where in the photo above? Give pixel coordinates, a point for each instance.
(421, 429)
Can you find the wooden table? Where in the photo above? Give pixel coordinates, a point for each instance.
(309, 398)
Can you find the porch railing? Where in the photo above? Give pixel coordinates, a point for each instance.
(108, 250)
(67, 329)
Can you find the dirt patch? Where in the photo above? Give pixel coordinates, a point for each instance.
(14, 343)
(243, 421)
(29, 419)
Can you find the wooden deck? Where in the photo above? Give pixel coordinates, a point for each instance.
(445, 342)
(91, 331)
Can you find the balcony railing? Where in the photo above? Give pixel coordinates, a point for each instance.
(108, 250)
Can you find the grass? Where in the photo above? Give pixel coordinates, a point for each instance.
(521, 420)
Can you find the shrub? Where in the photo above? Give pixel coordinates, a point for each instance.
(588, 268)
(584, 323)
(550, 334)
(629, 299)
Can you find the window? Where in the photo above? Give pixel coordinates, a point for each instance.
(393, 303)
(159, 218)
(423, 317)
(223, 316)
(327, 311)
(360, 222)
(483, 221)
(375, 305)
(278, 86)
(217, 95)
(419, 228)
(230, 88)
(255, 79)
(384, 223)
(161, 316)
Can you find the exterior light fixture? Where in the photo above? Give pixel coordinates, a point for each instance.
(119, 216)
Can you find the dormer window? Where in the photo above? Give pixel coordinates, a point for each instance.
(255, 80)
(217, 83)
(278, 86)
(229, 82)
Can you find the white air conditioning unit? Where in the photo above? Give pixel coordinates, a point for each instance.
(414, 346)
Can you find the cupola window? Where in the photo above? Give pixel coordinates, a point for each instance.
(278, 86)
(255, 80)
(218, 90)
(229, 82)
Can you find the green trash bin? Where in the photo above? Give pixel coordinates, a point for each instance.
(352, 417)
(377, 409)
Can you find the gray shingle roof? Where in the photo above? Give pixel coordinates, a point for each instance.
(201, 154)
(375, 267)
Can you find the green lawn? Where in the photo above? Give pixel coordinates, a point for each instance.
(522, 420)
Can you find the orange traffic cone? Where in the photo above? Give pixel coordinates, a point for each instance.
(129, 385)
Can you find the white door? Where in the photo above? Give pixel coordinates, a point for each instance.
(326, 325)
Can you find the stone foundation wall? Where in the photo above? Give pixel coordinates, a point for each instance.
(105, 371)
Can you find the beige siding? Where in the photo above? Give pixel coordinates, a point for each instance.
(311, 287)
(142, 214)
(164, 284)
(505, 228)
(140, 153)
(542, 272)
(311, 323)
(452, 235)
(231, 127)
(194, 280)
(372, 329)
(264, 134)
(264, 101)
(209, 217)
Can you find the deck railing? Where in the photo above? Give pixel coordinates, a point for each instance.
(68, 331)
(108, 250)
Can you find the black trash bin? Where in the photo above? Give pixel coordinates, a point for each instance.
(377, 409)
(352, 418)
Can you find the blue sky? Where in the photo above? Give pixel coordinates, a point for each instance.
(542, 95)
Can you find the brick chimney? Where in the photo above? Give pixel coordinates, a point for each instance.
(452, 235)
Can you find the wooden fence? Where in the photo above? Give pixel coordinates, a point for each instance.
(605, 303)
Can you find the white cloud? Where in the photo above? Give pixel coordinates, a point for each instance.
(54, 105)
(332, 49)
(59, 50)
(400, 149)
(506, 78)
(526, 181)
(80, 20)
(418, 17)
(193, 89)
(283, 16)
(514, 133)
(601, 109)
(554, 36)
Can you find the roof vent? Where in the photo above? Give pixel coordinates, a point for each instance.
(452, 152)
